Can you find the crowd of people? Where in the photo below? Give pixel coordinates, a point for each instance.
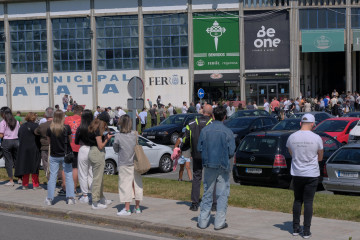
(71, 149)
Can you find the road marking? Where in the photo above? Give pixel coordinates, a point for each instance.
(85, 226)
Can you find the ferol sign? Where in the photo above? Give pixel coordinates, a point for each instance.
(216, 42)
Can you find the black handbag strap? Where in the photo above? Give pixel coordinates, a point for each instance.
(66, 140)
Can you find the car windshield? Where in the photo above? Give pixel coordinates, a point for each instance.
(174, 119)
(346, 156)
(259, 144)
(287, 125)
(244, 113)
(357, 114)
(239, 123)
(332, 126)
(297, 115)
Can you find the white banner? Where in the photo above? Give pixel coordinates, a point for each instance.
(172, 85)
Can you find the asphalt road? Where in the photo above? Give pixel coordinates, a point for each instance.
(13, 226)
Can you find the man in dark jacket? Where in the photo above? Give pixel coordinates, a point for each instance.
(190, 140)
(192, 108)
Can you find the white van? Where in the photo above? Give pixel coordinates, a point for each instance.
(354, 135)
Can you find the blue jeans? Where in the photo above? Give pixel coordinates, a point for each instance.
(65, 106)
(54, 168)
(221, 178)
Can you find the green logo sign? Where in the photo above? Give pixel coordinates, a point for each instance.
(216, 42)
(356, 40)
(322, 40)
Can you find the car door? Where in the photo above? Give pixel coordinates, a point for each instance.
(330, 146)
(268, 123)
(150, 151)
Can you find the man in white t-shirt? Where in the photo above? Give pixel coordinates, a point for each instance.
(287, 103)
(143, 118)
(97, 112)
(184, 108)
(266, 105)
(306, 149)
(198, 107)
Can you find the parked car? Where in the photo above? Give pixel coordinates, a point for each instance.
(158, 155)
(354, 134)
(250, 113)
(338, 128)
(168, 131)
(342, 170)
(288, 124)
(262, 158)
(245, 125)
(352, 114)
(319, 116)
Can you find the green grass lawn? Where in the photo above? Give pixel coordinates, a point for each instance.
(270, 199)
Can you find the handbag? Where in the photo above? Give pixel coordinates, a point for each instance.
(69, 155)
(141, 161)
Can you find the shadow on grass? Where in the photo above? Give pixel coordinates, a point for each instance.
(285, 226)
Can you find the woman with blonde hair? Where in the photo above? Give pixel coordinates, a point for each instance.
(130, 182)
(97, 142)
(57, 134)
(28, 158)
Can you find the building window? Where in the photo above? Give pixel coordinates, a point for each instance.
(355, 18)
(2, 48)
(333, 18)
(166, 41)
(72, 44)
(117, 42)
(28, 46)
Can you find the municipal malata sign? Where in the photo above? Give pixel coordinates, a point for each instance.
(216, 42)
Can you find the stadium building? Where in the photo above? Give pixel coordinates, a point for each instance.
(233, 49)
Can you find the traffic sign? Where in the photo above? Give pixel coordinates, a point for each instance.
(201, 93)
(135, 87)
(139, 104)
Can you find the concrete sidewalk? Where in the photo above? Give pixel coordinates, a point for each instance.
(171, 216)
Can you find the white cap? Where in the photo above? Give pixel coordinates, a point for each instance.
(308, 118)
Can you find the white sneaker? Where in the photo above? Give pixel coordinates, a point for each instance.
(105, 201)
(70, 201)
(11, 184)
(124, 212)
(137, 210)
(98, 205)
(84, 199)
(48, 202)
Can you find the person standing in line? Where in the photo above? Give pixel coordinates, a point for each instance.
(192, 108)
(255, 106)
(214, 105)
(41, 131)
(9, 129)
(184, 108)
(143, 119)
(170, 109)
(307, 106)
(274, 104)
(65, 101)
(18, 117)
(230, 110)
(85, 169)
(97, 112)
(28, 158)
(198, 107)
(190, 140)
(71, 101)
(158, 101)
(266, 105)
(306, 149)
(250, 106)
(153, 114)
(130, 182)
(162, 113)
(56, 133)
(97, 161)
(217, 147)
(74, 122)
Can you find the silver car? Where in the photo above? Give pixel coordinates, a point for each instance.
(342, 170)
(158, 155)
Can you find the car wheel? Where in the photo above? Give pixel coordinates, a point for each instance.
(165, 163)
(174, 137)
(110, 167)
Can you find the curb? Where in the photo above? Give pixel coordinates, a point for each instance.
(115, 222)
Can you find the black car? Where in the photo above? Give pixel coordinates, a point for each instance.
(250, 113)
(262, 158)
(319, 116)
(169, 130)
(288, 124)
(245, 125)
(352, 114)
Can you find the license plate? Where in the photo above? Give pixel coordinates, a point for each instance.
(150, 137)
(254, 170)
(343, 174)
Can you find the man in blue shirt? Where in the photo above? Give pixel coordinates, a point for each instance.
(217, 147)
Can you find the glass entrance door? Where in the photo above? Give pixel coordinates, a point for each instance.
(268, 91)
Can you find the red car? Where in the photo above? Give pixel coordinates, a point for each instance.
(338, 128)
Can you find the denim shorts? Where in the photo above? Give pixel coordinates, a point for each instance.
(183, 160)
